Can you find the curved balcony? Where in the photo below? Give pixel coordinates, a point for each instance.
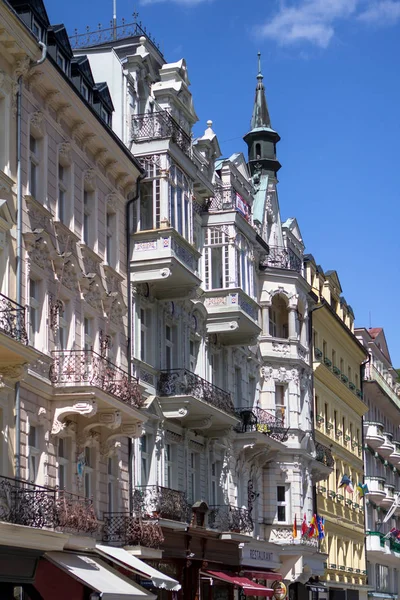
(395, 456)
(85, 369)
(373, 434)
(129, 530)
(387, 447)
(375, 542)
(376, 488)
(32, 505)
(233, 315)
(157, 502)
(389, 498)
(198, 403)
(230, 518)
(262, 421)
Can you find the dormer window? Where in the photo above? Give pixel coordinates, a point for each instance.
(36, 29)
(85, 91)
(105, 115)
(61, 61)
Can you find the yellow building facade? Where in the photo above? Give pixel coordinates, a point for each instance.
(338, 413)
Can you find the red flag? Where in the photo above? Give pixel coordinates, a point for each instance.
(312, 528)
(304, 527)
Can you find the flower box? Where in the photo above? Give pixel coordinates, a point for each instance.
(352, 386)
(336, 371)
(359, 393)
(329, 426)
(327, 362)
(344, 378)
(317, 353)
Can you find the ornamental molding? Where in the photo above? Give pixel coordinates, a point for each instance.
(199, 423)
(36, 122)
(131, 430)
(39, 217)
(110, 420)
(85, 409)
(110, 449)
(22, 67)
(89, 177)
(13, 373)
(64, 152)
(112, 202)
(172, 437)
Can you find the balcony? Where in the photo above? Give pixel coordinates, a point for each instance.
(226, 518)
(373, 434)
(157, 502)
(390, 388)
(159, 125)
(82, 369)
(376, 488)
(376, 542)
(196, 402)
(280, 257)
(395, 456)
(227, 199)
(166, 261)
(388, 500)
(14, 349)
(23, 503)
(387, 447)
(286, 348)
(259, 420)
(127, 530)
(233, 315)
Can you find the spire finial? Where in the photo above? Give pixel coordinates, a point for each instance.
(259, 76)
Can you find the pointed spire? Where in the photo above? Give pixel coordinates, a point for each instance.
(260, 116)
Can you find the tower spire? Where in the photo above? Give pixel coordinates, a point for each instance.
(260, 116)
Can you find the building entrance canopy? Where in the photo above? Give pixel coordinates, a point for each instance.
(250, 588)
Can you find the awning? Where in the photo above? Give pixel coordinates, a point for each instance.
(98, 576)
(267, 575)
(124, 559)
(250, 588)
(317, 587)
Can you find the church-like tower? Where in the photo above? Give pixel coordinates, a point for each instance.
(262, 139)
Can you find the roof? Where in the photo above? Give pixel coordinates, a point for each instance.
(374, 331)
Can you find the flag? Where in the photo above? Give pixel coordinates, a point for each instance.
(394, 533)
(362, 489)
(294, 531)
(321, 527)
(347, 484)
(304, 526)
(313, 527)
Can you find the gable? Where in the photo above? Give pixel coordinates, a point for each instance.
(333, 279)
(240, 163)
(293, 226)
(380, 341)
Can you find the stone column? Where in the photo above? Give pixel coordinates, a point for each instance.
(292, 323)
(265, 319)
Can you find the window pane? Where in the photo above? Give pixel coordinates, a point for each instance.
(281, 493)
(32, 436)
(281, 513)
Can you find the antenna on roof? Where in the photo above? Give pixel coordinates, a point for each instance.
(370, 320)
(114, 21)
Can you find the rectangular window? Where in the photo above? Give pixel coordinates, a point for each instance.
(34, 311)
(193, 354)
(34, 163)
(145, 335)
(89, 472)
(111, 238)
(170, 347)
(382, 578)
(192, 491)
(280, 392)
(63, 463)
(34, 454)
(87, 233)
(64, 176)
(238, 386)
(281, 503)
(63, 326)
(252, 391)
(326, 417)
(215, 474)
(85, 91)
(169, 465)
(333, 358)
(145, 459)
(325, 349)
(111, 483)
(88, 333)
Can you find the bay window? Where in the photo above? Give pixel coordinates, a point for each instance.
(217, 258)
(179, 202)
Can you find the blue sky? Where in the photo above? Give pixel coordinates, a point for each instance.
(331, 73)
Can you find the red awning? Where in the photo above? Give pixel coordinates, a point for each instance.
(250, 588)
(267, 575)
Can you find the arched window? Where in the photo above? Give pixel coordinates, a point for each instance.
(279, 317)
(258, 150)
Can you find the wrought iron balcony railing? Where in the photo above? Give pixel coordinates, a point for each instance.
(280, 257)
(230, 518)
(159, 125)
(324, 455)
(227, 198)
(258, 419)
(12, 319)
(157, 502)
(181, 382)
(86, 367)
(128, 530)
(24, 503)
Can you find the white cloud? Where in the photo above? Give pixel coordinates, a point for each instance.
(385, 12)
(315, 21)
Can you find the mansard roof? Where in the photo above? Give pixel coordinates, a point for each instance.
(101, 90)
(36, 6)
(81, 65)
(57, 34)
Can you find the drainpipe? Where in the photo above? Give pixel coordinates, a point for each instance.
(19, 256)
(129, 344)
